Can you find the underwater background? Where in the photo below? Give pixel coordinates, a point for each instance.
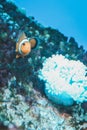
(46, 89)
(67, 16)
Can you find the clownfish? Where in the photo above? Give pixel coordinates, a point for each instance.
(24, 45)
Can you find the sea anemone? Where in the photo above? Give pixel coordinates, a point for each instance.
(65, 80)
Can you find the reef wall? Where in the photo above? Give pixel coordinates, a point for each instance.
(12, 22)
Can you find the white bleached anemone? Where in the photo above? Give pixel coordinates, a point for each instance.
(65, 80)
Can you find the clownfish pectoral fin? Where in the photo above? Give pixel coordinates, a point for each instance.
(18, 56)
(33, 42)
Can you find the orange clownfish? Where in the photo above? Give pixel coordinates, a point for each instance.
(24, 45)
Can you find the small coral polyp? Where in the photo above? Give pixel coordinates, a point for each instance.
(65, 80)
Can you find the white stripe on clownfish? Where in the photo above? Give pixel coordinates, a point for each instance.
(23, 41)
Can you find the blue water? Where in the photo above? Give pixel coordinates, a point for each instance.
(69, 17)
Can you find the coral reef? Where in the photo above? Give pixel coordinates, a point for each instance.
(22, 107)
(35, 112)
(19, 112)
(50, 42)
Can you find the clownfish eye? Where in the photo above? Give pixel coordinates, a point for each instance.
(23, 44)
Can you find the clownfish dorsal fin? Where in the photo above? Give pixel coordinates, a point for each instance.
(21, 37)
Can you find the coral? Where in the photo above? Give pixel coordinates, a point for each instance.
(65, 80)
(34, 111)
(79, 119)
(17, 112)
